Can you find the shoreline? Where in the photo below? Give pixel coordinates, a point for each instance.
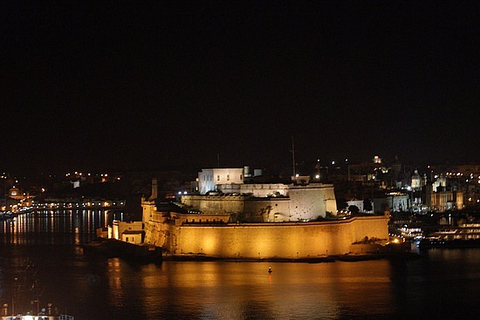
(321, 259)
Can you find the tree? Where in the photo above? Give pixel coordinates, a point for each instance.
(367, 205)
(353, 209)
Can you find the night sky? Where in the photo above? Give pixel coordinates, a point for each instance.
(141, 85)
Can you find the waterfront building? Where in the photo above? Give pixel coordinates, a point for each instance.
(131, 232)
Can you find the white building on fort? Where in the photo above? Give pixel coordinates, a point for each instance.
(210, 179)
(261, 202)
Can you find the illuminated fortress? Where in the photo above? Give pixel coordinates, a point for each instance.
(212, 235)
(256, 221)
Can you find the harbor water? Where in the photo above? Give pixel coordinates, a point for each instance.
(44, 248)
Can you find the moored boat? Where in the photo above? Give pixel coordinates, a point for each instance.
(464, 236)
(128, 251)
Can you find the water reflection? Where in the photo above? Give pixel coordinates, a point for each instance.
(54, 226)
(443, 284)
(223, 290)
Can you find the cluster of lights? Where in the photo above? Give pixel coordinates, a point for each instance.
(78, 205)
(80, 174)
(458, 174)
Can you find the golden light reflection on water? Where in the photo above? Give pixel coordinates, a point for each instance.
(44, 225)
(101, 288)
(237, 290)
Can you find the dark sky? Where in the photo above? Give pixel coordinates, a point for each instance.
(133, 84)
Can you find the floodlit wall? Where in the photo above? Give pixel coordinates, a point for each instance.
(303, 203)
(279, 240)
(267, 210)
(215, 204)
(256, 189)
(312, 201)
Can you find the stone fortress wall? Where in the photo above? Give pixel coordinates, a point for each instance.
(180, 234)
(302, 204)
(278, 240)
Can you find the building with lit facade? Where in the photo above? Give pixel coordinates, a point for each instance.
(210, 179)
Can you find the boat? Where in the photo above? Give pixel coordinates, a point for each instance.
(114, 248)
(466, 235)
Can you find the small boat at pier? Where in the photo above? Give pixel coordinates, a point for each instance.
(128, 251)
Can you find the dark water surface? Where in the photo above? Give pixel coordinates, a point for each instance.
(444, 284)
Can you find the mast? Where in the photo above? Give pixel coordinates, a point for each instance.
(293, 159)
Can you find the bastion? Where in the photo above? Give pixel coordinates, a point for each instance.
(212, 235)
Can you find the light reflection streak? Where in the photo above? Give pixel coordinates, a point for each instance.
(76, 226)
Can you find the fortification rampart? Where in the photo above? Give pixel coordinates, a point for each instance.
(303, 203)
(267, 240)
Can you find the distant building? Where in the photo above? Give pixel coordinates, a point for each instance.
(442, 199)
(416, 181)
(394, 202)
